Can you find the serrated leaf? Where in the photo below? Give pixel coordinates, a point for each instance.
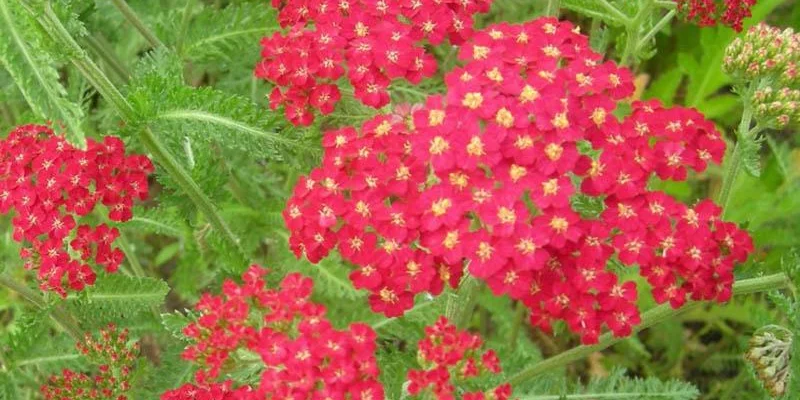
(215, 35)
(207, 115)
(117, 296)
(34, 72)
(175, 321)
(618, 386)
(751, 155)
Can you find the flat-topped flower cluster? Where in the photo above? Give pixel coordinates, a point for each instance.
(50, 185)
(303, 355)
(451, 356)
(371, 42)
(115, 358)
(711, 12)
(485, 176)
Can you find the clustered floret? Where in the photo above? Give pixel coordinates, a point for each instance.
(371, 42)
(51, 185)
(115, 358)
(447, 356)
(768, 58)
(303, 355)
(485, 176)
(710, 12)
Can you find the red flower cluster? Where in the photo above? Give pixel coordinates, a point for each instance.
(115, 357)
(486, 176)
(711, 12)
(306, 357)
(369, 41)
(51, 184)
(213, 391)
(448, 355)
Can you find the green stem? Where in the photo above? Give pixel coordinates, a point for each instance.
(552, 8)
(668, 4)
(614, 11)
(57, 314)
(519, 316)
(96, 45)
(650, 318)
(137, 23)
(459, 307)
(633, 29)
(657, 28)
(160, 153)
(734, 164)
(99, 46)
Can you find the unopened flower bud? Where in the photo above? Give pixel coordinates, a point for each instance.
(764, 52)
(776, 108)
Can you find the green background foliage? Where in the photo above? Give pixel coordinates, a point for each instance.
(196, 92)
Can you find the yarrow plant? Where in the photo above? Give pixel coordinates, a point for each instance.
(369, 42)
(115, 357)
(485, 176)
(304, 357)
(449, 355)
(520, 198)
(711, 12)
(51, 186)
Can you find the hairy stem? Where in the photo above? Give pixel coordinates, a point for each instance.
(57, 314)
(99, 48)
(137, 23)
(633, 27)
(650, 318)
(160, 153)
(734, 164)
(459, 307)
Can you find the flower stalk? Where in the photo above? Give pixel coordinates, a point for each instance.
(735, 162)
(57, 314)
(133, 19)
(650, 318)
(460, 305)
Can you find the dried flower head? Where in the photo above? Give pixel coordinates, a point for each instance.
(770, 351)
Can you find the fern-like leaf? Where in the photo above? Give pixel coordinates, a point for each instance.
(117, 297)
(215, 36)
(618, 386)
(207, 115)
(24, 57)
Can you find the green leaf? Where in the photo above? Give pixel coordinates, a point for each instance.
(22, 54)
(175, 321)
(610, 11)
(751, 157)
(207, 115)
(116, 296)
(719, 106)
(211, 35)
(617, 386)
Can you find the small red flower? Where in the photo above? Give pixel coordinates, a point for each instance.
(51, 185)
